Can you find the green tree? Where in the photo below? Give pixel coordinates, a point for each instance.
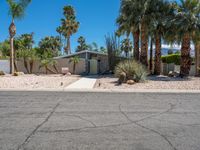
(69, 26)
(16, 11)
(82, 44)
(185, 23)
(129, 22)
(24, 50)
(93, 47)
(126, 46)
(5, 48)
(50, 44)
(75, 60)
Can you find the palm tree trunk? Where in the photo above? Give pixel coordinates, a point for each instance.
(136, 37)
(157, 68)
(185, 56)
(12, 69)
(151, 57)
(74, 68)
(15, 61)
(26, 65)
(197, 58)
(68, 48)
(144, 45)
(54, 66)
(31, 66)
(12, 32)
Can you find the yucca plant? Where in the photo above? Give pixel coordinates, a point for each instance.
(132, 70)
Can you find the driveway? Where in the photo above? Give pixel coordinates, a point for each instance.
(99, 121)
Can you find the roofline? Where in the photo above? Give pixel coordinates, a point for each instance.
(77, 53)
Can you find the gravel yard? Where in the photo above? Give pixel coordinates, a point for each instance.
(30, 82)
(152, 82)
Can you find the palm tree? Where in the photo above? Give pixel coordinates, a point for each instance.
(128, 22)
(75, 60)
(186, 22)
(160, 11)
(16, 11)
(82, 44)
(126, 46)
(69, 26)
(196, 40)
(24, 49)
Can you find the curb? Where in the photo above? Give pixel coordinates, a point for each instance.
(105, 90)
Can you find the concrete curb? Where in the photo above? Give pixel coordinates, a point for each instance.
(104, 90)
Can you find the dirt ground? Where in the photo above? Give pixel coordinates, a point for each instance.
(152, 82)
(29, 82)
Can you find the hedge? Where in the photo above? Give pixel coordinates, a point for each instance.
(172, 58)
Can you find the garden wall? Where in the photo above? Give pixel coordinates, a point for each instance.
(61, 63)
(5, 66)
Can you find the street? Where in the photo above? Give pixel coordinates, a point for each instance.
(99, 121)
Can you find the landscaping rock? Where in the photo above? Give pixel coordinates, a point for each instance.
(18, 74)
(173, 74)
(2, 73)
(130, 82)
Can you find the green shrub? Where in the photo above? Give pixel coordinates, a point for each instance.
(133, 70)
(173, 58)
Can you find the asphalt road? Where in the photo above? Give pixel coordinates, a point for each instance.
(99, 121)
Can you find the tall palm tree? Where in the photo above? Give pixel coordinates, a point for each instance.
(16, 11)
(186, 22)
(161, 10)
(69, 26)
(128, 22)
(196, 40)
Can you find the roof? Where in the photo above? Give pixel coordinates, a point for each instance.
(78, 53)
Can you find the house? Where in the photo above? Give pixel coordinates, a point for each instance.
(91, 62)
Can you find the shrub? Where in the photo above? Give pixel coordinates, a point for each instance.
(2, 73)
(132, 69)
(173, 58)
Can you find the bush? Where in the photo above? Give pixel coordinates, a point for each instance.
(173, 58)
(132, 69)
(2, 73)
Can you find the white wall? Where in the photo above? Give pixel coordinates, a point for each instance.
(5, 66)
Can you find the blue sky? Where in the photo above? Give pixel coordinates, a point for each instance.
(97, 18)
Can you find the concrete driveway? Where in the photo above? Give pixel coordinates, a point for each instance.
(99, 121)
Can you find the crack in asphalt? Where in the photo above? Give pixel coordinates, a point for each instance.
(149, 129)
(76, 116)
(83, 128)
(38, 126)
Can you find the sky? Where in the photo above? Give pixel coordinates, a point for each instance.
(96, 17)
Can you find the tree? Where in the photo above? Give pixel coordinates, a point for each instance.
(69, 26)
(75, 60)
(82, 44)
(113, 48)
(51, 44)
(126, 46)
(5, 48)
(129, 22)
(185, 23)
(160, 11)
(16, 11)
(24, 50)
(103, 49)
(93, 47)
